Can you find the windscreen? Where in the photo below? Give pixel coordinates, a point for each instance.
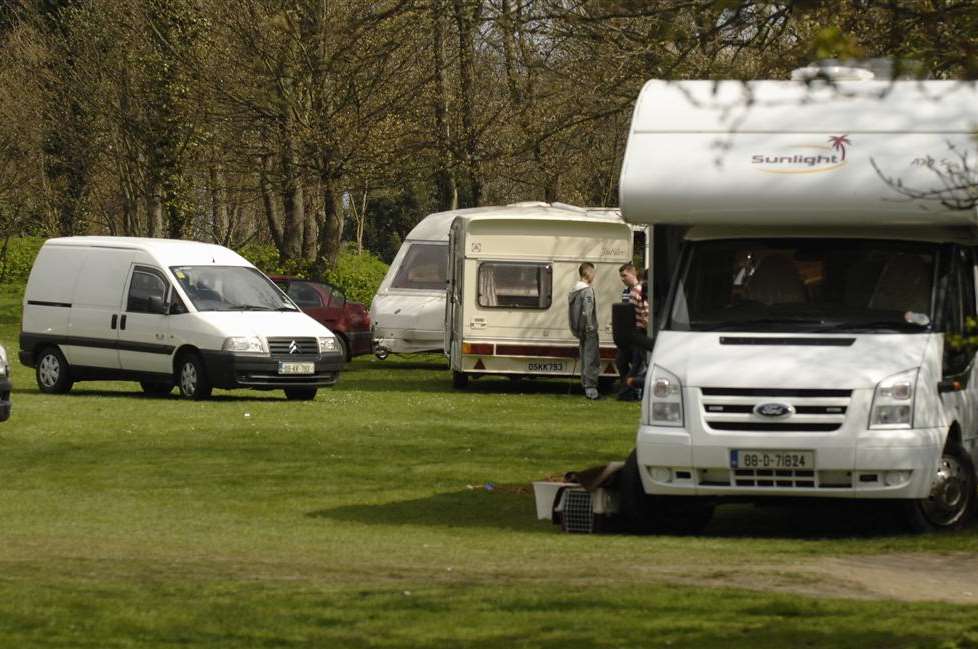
(425, 266)
(805, 285)
(230, 288)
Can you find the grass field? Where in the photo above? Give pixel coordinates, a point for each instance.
(362, 520)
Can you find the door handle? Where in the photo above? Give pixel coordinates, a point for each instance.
(122, 322)
(114, 318)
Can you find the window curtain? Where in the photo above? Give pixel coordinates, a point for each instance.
(487, 286)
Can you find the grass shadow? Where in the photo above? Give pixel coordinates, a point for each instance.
(806, 520)
(76, 393)
(507, 507)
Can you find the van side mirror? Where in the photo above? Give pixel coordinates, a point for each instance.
(154, 304)
(176, 308)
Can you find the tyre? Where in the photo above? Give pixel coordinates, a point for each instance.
(381, 354)
(640, 512)
(53, 372)
(687, 514)
(951, 503)
(460, 380)
(300, 394)
(191, 378)
(156, 387)
(344, 348)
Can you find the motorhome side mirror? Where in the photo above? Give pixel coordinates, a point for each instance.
(154, 304)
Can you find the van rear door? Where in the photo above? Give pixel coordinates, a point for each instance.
(144, 328)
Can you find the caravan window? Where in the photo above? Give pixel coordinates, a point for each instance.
(425, 267)
(514, 285)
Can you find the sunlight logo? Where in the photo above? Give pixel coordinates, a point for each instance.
(814, 158)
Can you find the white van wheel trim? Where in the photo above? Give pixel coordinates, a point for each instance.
(188, 378)
(49, 370)
(948, 500)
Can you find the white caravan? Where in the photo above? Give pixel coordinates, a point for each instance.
(164, 313)
(408, 310)
(814, 342)
(510, 272)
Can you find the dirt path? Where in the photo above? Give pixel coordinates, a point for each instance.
(905, 577)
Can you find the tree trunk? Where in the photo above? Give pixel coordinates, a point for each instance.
(467, 19)
(268, 202)
(154, 207)
(220, 222)
(331, 228)
(446, 189)
(310, 229)
(293, 199)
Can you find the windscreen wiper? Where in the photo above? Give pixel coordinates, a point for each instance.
(249, 307)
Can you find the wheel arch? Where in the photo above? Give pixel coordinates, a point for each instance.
(182, 351)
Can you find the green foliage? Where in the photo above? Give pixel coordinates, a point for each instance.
(357, 275)
(15, 266)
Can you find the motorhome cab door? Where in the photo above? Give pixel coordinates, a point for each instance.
(959, 315)
(143, 326)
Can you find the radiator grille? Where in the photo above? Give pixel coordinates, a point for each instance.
(284, 346)
(806, 410)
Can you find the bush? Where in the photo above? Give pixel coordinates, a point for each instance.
(358, 276)
(15, 266)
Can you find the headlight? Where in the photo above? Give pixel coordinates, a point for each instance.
(245, 345)
(665, 398)
(327, 344)
(893, 401)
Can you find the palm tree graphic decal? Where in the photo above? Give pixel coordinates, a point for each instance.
(839, 143)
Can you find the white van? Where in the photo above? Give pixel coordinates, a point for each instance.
(408, 310)
(165, 312)
(510, 272)
(815, 339)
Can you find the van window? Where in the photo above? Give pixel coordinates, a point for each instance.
(515, 285)
(425, 266)
(230, 288)
(145, 285)
(805, 285)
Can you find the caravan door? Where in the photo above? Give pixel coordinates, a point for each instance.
(453, 293)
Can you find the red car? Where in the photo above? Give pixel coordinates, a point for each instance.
(348, 320)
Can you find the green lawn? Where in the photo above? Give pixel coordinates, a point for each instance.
(361, 520)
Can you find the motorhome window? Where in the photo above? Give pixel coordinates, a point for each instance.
(304, 294)
(142, 287)
(424, 267)
(515, 286)
(805, 284)
(230, 288)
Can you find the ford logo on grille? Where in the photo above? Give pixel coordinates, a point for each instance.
(294, 347)
(773, 410)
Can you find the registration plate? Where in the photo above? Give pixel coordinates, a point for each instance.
(545, 367)
(296, 368)
(769, 459)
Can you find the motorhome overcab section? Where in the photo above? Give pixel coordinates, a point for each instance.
(818, 337)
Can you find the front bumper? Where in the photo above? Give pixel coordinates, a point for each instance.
(227, 370)
(672, 465)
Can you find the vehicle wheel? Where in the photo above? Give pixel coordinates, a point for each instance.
(460, 380)
(344, 348)
(300, 394)
(191, 377)
(53, 372)
(381, 354)
(951, 502)
(641, 513)
(156, 387)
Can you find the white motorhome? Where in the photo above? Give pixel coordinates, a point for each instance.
(164, 313)
(814, 342)
(408, 310)
(510, 271)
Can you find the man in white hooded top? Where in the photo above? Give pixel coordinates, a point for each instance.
(582, 312)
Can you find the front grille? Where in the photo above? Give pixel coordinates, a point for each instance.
(284, 346)
(773, 478)
(805, 410)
